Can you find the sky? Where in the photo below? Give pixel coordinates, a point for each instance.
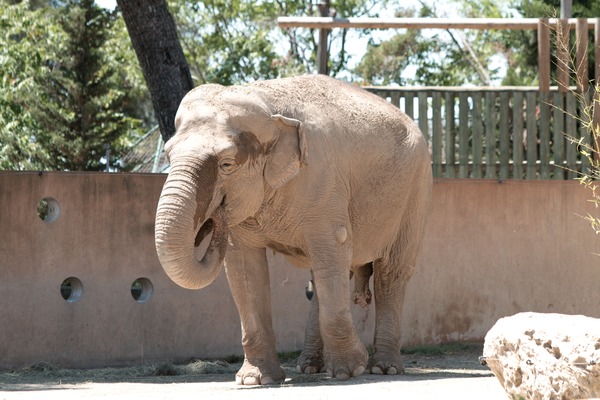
(111, 4)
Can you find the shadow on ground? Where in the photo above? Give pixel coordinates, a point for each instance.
(428, 363)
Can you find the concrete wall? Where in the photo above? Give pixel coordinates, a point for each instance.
(491, 250)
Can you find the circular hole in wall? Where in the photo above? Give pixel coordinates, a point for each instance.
(141, 290)
(310, 290)
(71, 289)
(48, 209)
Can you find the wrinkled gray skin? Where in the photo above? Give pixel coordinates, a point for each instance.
(333, 177)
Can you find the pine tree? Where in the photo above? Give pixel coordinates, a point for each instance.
(79, 108)
(72, 101)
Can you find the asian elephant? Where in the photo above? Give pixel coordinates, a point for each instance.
(333, 177)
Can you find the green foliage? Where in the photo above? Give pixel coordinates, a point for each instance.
(384, 62)
(70, 81)
(81, 97)
(441, 58)
(230, 42)
(63, 89)
(26, 42)
(223, 40)
(458, 57)
(521, 46)
(119, 52)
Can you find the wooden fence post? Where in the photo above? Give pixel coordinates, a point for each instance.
(581, 58)
(562, 50)
(544, 54)
(517, 134)
(450, 139)
(322, 55)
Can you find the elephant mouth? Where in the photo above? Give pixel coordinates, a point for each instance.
(217, 218)
(206, 229)
(212, 231)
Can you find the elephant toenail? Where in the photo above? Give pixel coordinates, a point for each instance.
(251, 381)
(392, 371)
(358, 370)
(377, 370)
(342, 376)
(310, 370)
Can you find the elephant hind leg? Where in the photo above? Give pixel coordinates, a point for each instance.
(391, 276)
(311, 360)
(389, 298)
(362, 295)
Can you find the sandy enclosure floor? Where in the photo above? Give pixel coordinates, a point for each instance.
(452, 375)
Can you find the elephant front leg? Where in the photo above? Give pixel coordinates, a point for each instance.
(345, 355)
(248, 277)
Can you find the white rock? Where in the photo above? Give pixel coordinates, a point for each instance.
(545, 356)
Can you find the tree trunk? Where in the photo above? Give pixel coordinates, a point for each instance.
(154, 37)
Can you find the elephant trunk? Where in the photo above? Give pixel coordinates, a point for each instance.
(187, 211)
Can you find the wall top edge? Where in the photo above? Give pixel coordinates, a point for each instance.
(552, 182)
(80, 173)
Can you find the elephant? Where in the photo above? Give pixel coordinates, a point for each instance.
(335, 178)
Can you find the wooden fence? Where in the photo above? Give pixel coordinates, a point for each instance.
(498, 132)
(503, 132)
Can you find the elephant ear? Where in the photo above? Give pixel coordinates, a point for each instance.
(288, 153)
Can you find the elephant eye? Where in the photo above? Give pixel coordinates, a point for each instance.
(227, 166)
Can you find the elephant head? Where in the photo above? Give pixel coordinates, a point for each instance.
(227, 148)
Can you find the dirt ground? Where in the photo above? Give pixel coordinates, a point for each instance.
(430, 374)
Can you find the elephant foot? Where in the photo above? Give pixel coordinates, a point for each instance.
(250, 375)
(310, 363)
(386, 365)
(363, 299)
(347, 364)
